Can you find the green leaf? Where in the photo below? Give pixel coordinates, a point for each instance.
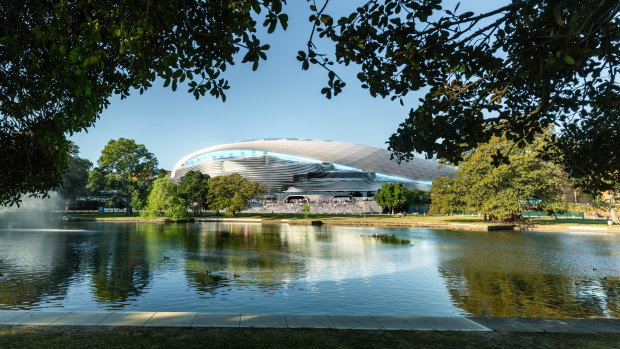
(569, 60)
(557, 12)
(462, 68)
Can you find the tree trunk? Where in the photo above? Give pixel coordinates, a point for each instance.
(128, 210)
(392, 210)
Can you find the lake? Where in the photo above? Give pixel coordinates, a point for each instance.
(252, 268)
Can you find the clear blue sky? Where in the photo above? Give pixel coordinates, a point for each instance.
(277, 100)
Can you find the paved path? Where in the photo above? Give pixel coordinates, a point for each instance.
(357, 322)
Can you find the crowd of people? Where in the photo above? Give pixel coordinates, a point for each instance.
(334, 206)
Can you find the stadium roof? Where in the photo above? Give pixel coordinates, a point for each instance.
(353, 156)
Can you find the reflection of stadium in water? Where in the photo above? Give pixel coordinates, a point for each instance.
(310, 166)
(272, 256)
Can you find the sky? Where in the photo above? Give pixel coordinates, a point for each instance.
(279, 100)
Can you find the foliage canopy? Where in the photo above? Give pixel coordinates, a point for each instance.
(232, 192)
(125, 169)
(163, 199)
(193, 187)
(75, 178)
(502, 191)
(391, 196)
(61, 61)
(509, 72)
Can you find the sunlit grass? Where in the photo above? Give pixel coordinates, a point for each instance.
(363, 219)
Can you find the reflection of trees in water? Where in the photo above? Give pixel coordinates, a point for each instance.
(120, 270)
(40, 269)
(388, 239)
(611, 287)
(253, 252)
(490, 282)
(484, 293)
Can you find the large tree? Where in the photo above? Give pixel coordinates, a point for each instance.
(418, 197)
(193, 187)
(125, 169)
(232, 193)
(501, 191)
(164, 200)
(61, 61)
(75, 178)
(391, 196)
(510, 71)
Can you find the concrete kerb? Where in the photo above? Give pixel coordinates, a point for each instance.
(357, 322)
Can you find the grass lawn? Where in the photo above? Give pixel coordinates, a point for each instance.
(103, 215)
(568, 221)
(126, 337)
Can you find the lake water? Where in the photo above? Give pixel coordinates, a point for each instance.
(253, 268)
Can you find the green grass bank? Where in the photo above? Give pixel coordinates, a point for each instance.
(383, 220)
(131, 337)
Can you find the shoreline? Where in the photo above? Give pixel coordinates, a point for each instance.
(385, 222)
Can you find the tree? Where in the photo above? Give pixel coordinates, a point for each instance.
(163, 197)
(391, 196)
(61, 62)
(232, 192)
(502, 191)
(511, 71)
(446, 196)
(418, 197)
(124, 171)
(193, 187)
(305, 209)
(555, 207)
(75, 178)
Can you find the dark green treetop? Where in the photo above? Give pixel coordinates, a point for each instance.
(193, 187)
(232, 192)
(125, 169)
(75, 178)
(391, 196)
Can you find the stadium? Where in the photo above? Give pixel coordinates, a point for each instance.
(311, 168)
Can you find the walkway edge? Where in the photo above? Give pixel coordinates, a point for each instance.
(341, 322)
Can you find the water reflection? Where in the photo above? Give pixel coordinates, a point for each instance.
(530, 274)
(247, 255)
(37, 266)
(119, 269)
(221, 267)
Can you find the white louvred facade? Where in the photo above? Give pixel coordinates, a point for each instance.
(310, 165)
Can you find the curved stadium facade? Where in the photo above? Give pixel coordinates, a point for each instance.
(310, 166)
